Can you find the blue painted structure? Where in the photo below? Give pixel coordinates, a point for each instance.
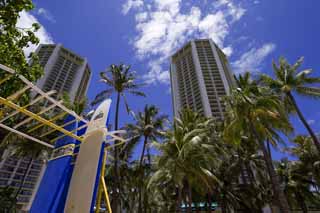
(53, 189)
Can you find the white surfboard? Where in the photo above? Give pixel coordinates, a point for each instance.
(85, 177)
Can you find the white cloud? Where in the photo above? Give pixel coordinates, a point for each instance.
(156, 73)
(311, 122)
(214, 26)
(25, 21)
(234, 10)
(228, 51)
(46, 14)
(251, 60)
(140, 17)
(131, 4)
(162, 27)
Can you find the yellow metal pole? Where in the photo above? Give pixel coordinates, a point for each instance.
(57, 117)
(106, 195)
(5, 79)
(98, 203)
(38, 118)
(102, 185)
(53, 130)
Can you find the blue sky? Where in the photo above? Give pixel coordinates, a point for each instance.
(145, 33)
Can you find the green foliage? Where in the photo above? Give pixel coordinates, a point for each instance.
(202, 160)
(120, 80)
(288, 80)
(298, 182)
(7, 199)
(78, 107)
(12, 42)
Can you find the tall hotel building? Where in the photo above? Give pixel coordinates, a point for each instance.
(64, 72)
(200, 77)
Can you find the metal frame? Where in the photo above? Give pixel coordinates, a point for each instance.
(12, 109)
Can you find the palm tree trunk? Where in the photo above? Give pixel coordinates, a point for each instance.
(116, 201)
(209, 203)
(269, 149)
(149, 155)
(250, 173)
(223, 205)
(305, 123)
(189, 196)
(142, 173)
(301, 202)
(143, 150)
(185, 195)
(140, 200)
(179, 202)
(24, 177)
(277, 191)
(145, 202)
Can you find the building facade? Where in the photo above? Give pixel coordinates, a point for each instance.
(65, 72)
(200, 78)
(12, 171)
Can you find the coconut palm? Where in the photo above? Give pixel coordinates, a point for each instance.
(297, 184)
(258, 114)
(149, 126)
(253, 188)
(121, 81)
(308, 156)
(288, 80)
(184, 158)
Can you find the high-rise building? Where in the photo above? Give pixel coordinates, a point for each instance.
(65, 71)
(12, 172)
(200, 78)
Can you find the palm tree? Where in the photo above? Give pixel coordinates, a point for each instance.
(150, 126)
(256, 113)
(288, 80)
(78, 106)
(308, 156)
(24, 149)
(297, 183)
(120, 80)
(184, 158)
(254, 189)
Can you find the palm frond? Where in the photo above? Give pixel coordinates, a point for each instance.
(313, 92)
(102, 96)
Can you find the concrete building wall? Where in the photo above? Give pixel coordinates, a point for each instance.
(12, 170)
(65, 71)
(200, 78)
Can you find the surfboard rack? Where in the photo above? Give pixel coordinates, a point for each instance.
(42, 114)
(41, 120)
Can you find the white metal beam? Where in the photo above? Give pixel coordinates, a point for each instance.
(39, 91)
(29, 119)
(26, 136)
(29, 104)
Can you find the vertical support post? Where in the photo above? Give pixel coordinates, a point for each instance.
(103, 187)
(106, 195)
(99, 197)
